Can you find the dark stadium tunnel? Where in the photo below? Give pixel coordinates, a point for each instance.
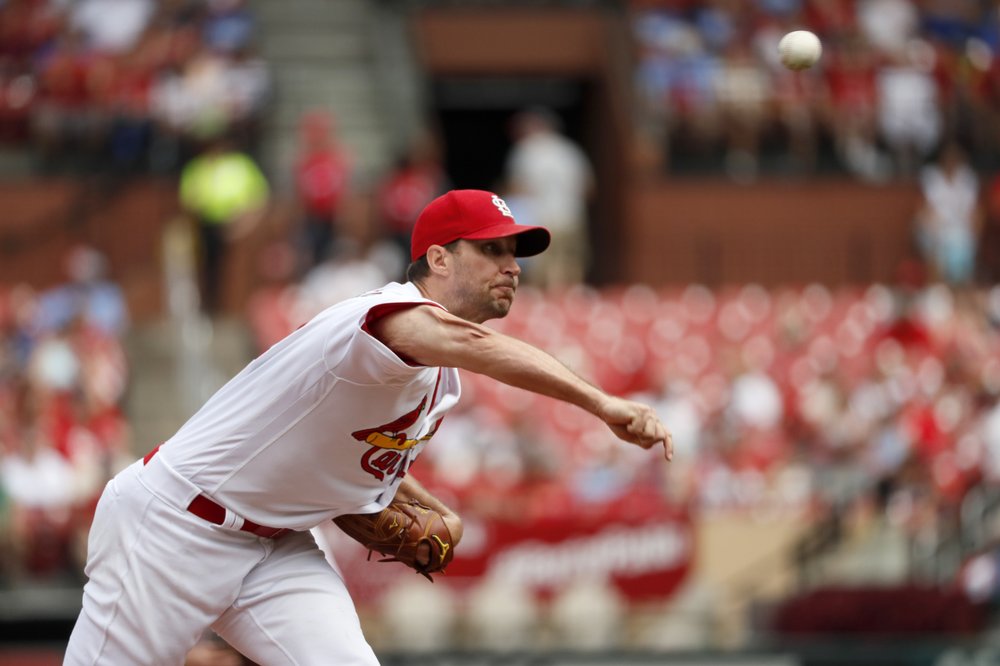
(473, 114)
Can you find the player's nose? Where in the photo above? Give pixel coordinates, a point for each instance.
(510, 266)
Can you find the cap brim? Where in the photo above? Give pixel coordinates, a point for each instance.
(530, 240)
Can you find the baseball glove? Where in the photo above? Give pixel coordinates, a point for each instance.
(406, 532)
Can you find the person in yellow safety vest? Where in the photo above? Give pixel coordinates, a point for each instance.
(226, 192)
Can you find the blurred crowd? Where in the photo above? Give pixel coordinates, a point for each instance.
(130, 86)
(896, 80)
(63, 376)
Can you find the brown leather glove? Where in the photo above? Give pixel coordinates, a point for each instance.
(406, 532)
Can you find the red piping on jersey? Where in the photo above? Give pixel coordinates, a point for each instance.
(434, 395)
(384, 309)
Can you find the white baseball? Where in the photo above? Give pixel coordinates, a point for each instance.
(799, 49)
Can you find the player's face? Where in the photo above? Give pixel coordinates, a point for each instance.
(485, 278)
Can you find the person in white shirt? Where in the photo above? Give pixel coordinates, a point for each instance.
(550, 180)
(950, 216)
(112, 26)
(211, 528)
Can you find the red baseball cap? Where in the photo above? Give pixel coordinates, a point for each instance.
(473, 215)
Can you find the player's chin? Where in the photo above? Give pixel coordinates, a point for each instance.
(501, 306)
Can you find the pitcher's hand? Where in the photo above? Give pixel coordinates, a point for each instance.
(636, 423)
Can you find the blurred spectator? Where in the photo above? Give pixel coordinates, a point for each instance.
(226, 194)
(502, 616)
(323, 174)
(415, 179)
(851, 104)
(89, 295)
(755, 400)
(93, 18)
(17, 97)
(248, 89)
(204, 82)
(27, 26)
(797, 122)
(229, 26)
(65, 120)
(952, 21)
(589, 614)
(949, 220)
(910, 116)
(18, 325)
(689, 623)
(39, 484)
(979, 576)
(551, 179)
(54, 373)
(126, 106)
(437, 629)
(743, 93)
(611, 473)
(888, 25)
(676, 75)
(171, 107)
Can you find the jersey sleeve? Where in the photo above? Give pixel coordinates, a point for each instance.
(358, 356)
(384, 310)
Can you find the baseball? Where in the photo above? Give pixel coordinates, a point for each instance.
(799, 49)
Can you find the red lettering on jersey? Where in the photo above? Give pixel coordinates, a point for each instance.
(383, 464)
(404, 467)
(391, 440)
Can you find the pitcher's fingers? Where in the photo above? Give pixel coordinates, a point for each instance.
(654, 429)
(643, 421)
(637, 434)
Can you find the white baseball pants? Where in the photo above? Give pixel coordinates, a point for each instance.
(159, 576)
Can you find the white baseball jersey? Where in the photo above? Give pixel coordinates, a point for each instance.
(325, 422)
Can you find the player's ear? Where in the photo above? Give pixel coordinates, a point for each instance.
(438, 260)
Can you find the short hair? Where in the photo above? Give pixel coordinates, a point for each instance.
(420, 269)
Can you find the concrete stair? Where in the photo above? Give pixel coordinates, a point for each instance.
(179, 360)
(175, 368)
(350, 57)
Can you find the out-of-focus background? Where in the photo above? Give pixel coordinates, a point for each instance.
(797, 269)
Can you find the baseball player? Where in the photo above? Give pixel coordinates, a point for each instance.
(211, 528)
